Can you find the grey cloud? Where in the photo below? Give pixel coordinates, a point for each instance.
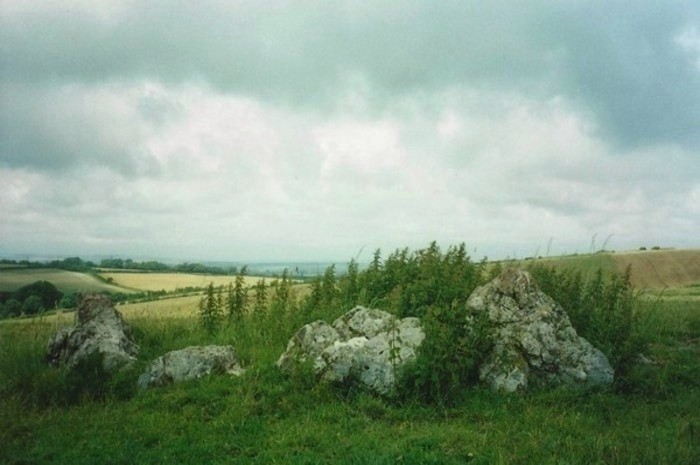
(622, 62)
(618, 60)
(71, 126)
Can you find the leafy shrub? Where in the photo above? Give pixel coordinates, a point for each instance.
(32, 305)
(409, 284)
(601, 308)
(434, 286)
(12, 308)
(457, 340)
(46, 291)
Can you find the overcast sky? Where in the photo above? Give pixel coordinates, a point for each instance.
(306, 130)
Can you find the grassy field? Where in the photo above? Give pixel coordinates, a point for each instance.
(263, 417)
(49, 416)
(13, 278)
(652, 269)
(170, 281)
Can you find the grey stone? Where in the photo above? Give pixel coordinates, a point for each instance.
(190, 363)
(534, 342)
(365, 346)
(99, 329)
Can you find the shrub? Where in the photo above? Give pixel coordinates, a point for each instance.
(12, 308)
(601, 308)
(32, 305)
(457, 340)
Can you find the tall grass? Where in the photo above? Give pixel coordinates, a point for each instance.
(50, 416)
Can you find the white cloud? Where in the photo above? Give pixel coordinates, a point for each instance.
(257, 137)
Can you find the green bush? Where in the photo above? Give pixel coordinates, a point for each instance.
(32, 305)
(602, 308)
(457, 340)
(12, 308)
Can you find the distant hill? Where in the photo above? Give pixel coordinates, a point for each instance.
(67, 282)
(651, 269)
(661, 268)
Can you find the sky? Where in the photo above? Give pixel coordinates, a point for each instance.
(252, 130)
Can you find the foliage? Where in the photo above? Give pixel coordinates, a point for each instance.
(434, 286)
(237, 298)
(409, 284)
(69, 300)
(601, 307)
(32, 305)
(210, 310)
(260, 300)
(12, 308)
(457, 340)
(46, 291)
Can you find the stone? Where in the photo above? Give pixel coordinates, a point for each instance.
(534, 342)
(99, 329)
(190, 363)
(365, 346)
(307, 344)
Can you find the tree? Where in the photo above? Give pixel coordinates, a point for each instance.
(13, 308)
(47, 292)
(69, 301)
(32, 305)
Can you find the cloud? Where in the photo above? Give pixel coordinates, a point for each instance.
(624, 64)
(269, 130)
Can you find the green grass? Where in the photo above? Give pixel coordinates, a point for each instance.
(263, 417)
(586, 264)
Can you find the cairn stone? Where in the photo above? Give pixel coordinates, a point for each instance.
(99, 329)
(190, 363)
(365, 346)
(534, 342)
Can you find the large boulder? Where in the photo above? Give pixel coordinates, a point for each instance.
(364, 346)
(534, 342)
(99, 330)
(190, 363)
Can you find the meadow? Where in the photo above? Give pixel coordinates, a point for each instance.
(170, 281)
(649, 415)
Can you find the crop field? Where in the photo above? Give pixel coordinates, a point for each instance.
(651, 269)
(659, 269)
(13, 278)
(170, 281)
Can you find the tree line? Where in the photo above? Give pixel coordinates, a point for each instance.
(80, 265)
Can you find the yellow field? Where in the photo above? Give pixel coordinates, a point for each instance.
(171, 281)
(659, 269)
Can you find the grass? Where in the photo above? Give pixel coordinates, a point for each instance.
(263, 417)
(652, 269)
(48, 415)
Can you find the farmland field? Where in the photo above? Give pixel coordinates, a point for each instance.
(170, 281)
(651, 269)
(12, 279)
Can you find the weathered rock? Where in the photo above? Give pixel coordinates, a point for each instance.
(190, 363)
(366, 346)
(99, 329)
(534, 342)
(307, 344)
